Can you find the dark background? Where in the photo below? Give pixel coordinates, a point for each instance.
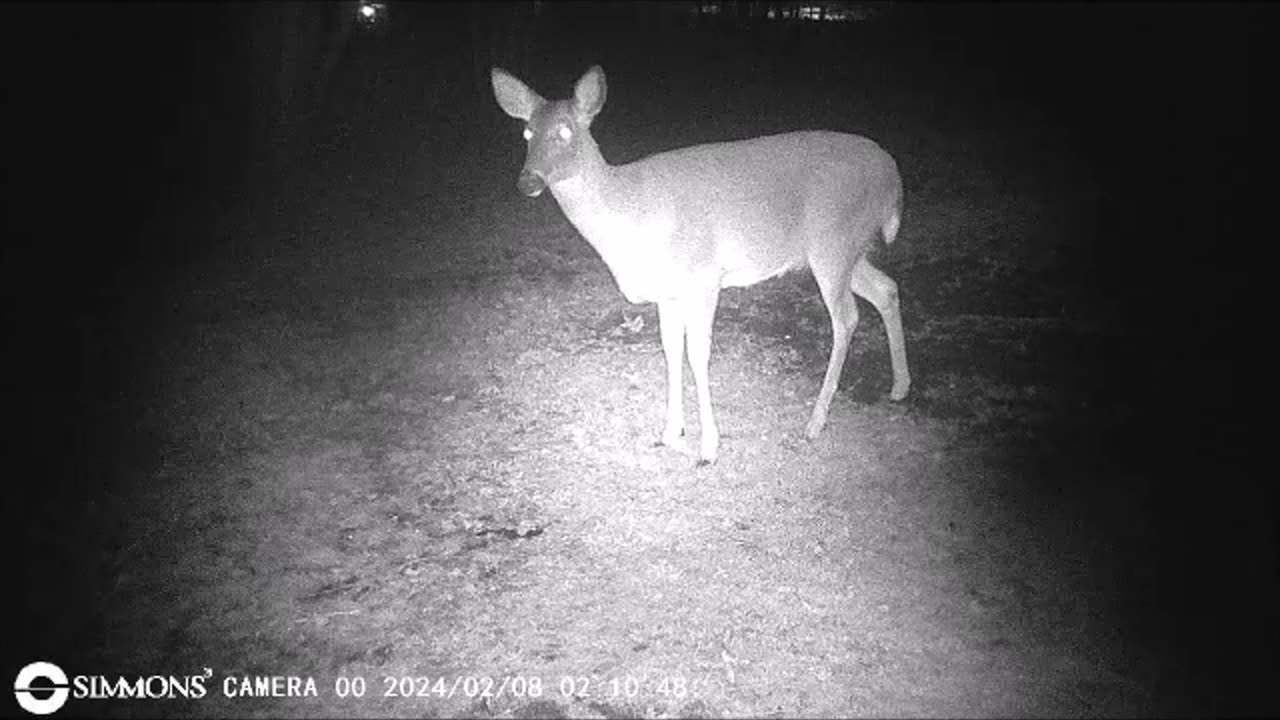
(133, 128)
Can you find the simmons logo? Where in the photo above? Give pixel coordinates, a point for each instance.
(42, 687)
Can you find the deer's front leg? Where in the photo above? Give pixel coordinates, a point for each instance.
(671, 328)
(699, 316)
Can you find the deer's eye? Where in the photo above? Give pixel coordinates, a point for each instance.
(565, 133)
(528, 134)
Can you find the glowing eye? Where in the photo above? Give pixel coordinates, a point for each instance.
(528, 134)
(565, 133)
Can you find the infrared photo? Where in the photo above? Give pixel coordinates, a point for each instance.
(643, 359)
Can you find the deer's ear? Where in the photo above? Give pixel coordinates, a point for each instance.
(515, 98)
(589, 93)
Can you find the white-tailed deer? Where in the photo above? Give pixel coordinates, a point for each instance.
(676, 227)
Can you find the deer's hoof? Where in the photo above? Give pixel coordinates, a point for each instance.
(813, 430)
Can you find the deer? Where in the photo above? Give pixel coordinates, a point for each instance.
(677, 227)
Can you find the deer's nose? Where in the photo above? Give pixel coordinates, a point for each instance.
(531, 183)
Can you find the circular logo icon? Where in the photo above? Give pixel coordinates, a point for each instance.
(55, 685)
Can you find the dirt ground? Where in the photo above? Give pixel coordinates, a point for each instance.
(396, 438)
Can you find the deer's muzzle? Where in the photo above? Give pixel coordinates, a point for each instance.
(531, 183)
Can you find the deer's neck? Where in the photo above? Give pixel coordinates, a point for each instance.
(610, 209)
(589, 197)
